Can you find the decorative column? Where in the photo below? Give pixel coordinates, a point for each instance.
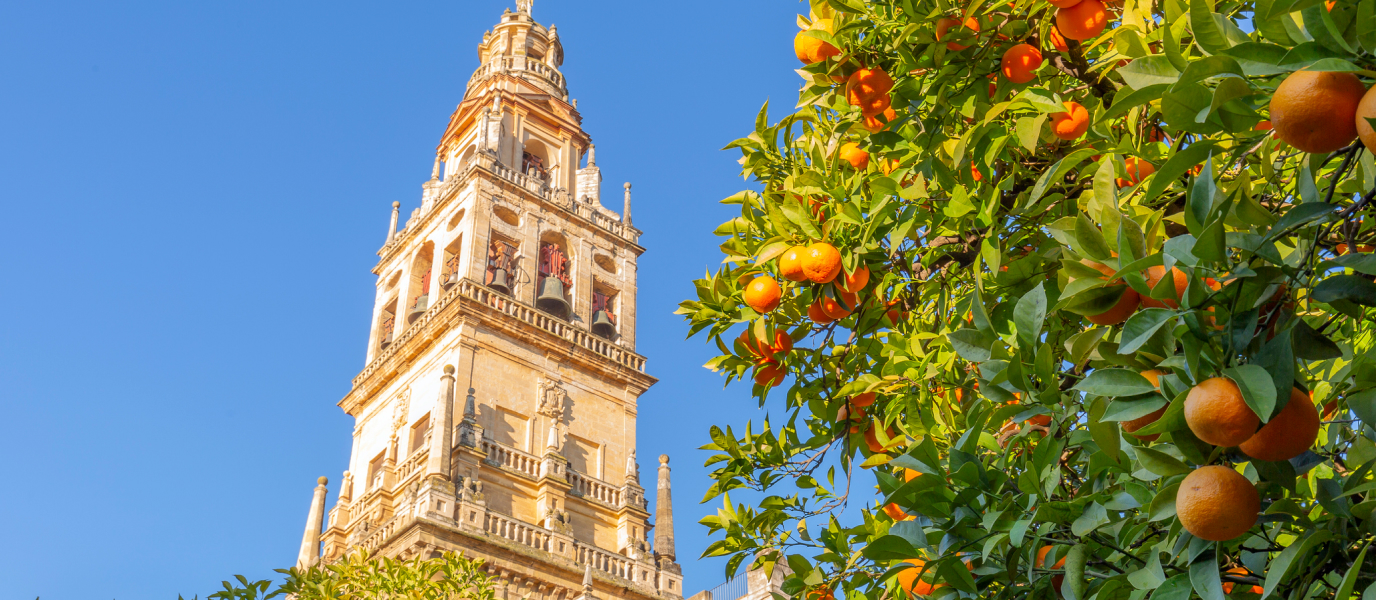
(442, 439)
(310, 542)
(631, 516)
(626, 212)
(551, 492)
(664, 513)
(392, 229)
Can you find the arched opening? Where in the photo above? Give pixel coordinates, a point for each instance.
(501, 264)
(386, 324)
(454, 222)
(604, 310)
(507, 216)
(451, 273)
(535, 160)
(555, 282)
(467, 158)
(419, 295)
(604, 262)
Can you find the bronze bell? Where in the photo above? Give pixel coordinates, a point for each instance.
(422, 303)
(501, 281)
(450, 280)
(602, 325)
(551, 298)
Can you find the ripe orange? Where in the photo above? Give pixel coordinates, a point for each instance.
(869, 90)
(820, 592)
(1084, 20)
(911, 474)
(872, 437)
(821, 262)
(854, 415)
(1228, 585)
(762, 294)
(1154, 275)
(770, 374)
(835, 309)
(1154, 377)
(974, 173)
(908, 579)
(944, 25)
(818, 316)
(1020, 63)
(873, 106)
(1137, 170)
(1366, 109)
(1217, 504)
(1217, 414)
(862, 400)
(1127, 303)
(1072, 123)
(791, 264)
(872, 123)
(1316, 111)
(1287, 435)
(1057, 40)
(1063, 3)
(850, 152)
(769, 349)
(811, 50)
(1056, 580)
(896, 513)
(854, 281)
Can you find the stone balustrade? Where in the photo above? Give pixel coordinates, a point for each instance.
(591, 488)
(413, 465)
(516, 531)
(511, 459)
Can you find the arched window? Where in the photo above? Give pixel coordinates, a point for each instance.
(535, 160)
(419, 295)
(501, 265)
(555, 281)
(451, 275)
(386, 325)
(604, 312)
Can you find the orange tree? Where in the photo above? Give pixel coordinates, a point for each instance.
(1078, 288)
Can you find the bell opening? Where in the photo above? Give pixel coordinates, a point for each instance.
(501, 281)
(602, 325)
(551, 298)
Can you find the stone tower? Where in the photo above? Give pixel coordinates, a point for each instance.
(496, 413)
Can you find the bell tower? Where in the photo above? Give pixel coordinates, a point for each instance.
(496, 413)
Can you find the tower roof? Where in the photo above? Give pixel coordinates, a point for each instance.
(519, 46)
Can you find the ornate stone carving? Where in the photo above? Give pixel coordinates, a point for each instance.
(551, 397)
(401, 409)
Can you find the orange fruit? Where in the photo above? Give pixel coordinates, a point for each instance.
(1154, 377)
(1316, 111)
(944, 25)
(1085, 20)
(874, 106)
(1366, 109)
(1266, 125)
(836, 309)
(862, 400)
(791, 264)
(892, 317)
(1057, 40)
(1126, 305)
(1217, 504)
(820, 592)
(866, 84)
(769, 374)
(872, 123)
(1217, 414)
(811, 50)
(1056, 580)
(1228, 585)
(1063, 3)
(850, 152)
(872, 438)
(762, 294)
(895, 513)
(911, 474)
(1137, 170)
(1020, 63)
(1287, 435)
(854, 281)
(818, 316)
(974, 173)
(1072, 123)
(908, 579)
(855, 415)
(821, 262)
(1154, 275)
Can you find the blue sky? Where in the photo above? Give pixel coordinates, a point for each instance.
(194, 193)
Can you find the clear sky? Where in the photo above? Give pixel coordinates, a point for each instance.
(193, 195)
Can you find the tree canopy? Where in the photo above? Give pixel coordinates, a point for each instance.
(1080, 288)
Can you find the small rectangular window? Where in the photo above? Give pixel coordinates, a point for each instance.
(418, 433)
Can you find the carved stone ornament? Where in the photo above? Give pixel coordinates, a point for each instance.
(401, 409)
(551, 399)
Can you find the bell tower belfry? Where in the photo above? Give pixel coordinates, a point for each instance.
(496, 413)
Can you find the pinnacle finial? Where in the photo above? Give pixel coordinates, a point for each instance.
(524, 6)
(323, 481)
(587, 577)
(448, 369)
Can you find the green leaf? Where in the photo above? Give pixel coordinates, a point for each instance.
(1104, 433)
(1258, 389)
(1094, 517)
(1207, 32)
(1141, 326)
(970, 344)
(1123, 103)
(1289, 558)
(1149, 71)
(1346, 287)
(1074, 585)
(1159, 462)
(889, 547)
(1312, 345)
(1092, 244)
(1029, 130)
(1175, 588)
(1204, 577)
(955, 573)
(1172, 420)
(1364, 404)
(1300, 215)
(1163, 504)
(1350, 580)
(1029, 314)
(1123, 409)
(1114, 382)
(1277, 358)
(1359, 262)
(1057, 171)
(1366, 25)
(1178, 165)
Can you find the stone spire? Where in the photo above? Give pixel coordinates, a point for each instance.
(626, 214)
(310, 542)
(664, 512)
(587, 584)
(392, 229)
(442, 439)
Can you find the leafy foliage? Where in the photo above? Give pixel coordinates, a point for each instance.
(998, 423)
(357, 576)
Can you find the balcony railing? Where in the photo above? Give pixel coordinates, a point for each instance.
(511, 458)
(595, 489)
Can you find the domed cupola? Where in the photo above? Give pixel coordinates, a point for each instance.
(522, 48)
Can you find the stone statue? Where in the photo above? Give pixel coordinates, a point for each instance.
(551, 400)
